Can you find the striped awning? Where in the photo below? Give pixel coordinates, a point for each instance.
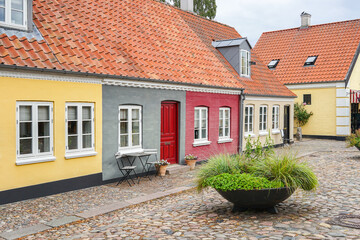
(354, 96)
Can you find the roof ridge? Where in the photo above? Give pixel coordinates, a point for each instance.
(317, 25)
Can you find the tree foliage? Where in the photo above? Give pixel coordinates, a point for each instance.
(301, 115)
(205, 8)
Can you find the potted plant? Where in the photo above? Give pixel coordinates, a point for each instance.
(161, 167)
(302, 117)
(256, 179)
(190, 160)
(353, 140)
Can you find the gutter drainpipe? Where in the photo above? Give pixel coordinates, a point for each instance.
(241, 119)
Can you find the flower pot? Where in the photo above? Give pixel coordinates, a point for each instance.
(191, 163)
(162, 170)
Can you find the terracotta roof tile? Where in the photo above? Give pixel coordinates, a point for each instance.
(335, 45)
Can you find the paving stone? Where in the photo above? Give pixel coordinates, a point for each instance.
(24, 231)
(62, 221)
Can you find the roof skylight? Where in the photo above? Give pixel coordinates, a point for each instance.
(272, 64)
(310, 61)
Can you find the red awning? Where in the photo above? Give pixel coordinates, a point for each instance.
(354, 96)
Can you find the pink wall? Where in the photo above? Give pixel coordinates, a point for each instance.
(213, 102)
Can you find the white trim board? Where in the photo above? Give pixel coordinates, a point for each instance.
(273, 99)
(316, 85)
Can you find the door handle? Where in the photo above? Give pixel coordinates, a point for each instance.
(167, 143)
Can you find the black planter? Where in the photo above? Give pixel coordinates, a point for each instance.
(257, 199)
(358, 148)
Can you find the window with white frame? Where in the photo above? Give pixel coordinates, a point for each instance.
(249, 118)
(13, 13)
(275, 117)
(224, 123)
(245, 63)
(80, 127)
(263, 118)
(129, 127)
(34, 130)
(201, 124)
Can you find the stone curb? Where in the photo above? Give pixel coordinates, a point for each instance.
(22, 232)
(306, 154)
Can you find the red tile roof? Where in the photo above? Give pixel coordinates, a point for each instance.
(134, 38)
(335, 45)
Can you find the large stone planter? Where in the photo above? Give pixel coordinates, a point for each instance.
(257, 199)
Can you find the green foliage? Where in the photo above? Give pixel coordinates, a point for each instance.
(353, 140)
(287, 169)
(245, 181)
(254, 150)
(301, 115)
(205, 8)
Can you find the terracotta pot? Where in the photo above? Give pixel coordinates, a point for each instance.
(162, 170)
(191, 163)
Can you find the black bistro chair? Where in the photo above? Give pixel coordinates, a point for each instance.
(125, 168)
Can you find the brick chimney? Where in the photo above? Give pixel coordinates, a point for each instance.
(187, 5)
(305, 20)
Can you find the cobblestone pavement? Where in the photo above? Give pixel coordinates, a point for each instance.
(190, 215)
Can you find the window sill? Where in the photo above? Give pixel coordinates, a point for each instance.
(24, 161)
(251, 135)
(263, 133)
(201, 143)
(225, 140)
(275, 131)
(80, 154)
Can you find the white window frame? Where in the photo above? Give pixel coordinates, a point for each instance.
(130, 147)
(202, 140)
(263, 118)
(247, 125)
(224, 138)
(35, 156)
(247, 60)
(80, 152)
(7, 22)
(275, 119)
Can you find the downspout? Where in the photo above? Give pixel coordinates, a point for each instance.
(241, 111)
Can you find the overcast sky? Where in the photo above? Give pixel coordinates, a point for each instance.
(252, 17)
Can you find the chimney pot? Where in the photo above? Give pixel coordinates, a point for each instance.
(305, 19)
(187, 5)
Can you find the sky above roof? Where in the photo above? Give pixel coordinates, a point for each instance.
(253, 17)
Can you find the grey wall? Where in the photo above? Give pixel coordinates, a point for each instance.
(150, 100)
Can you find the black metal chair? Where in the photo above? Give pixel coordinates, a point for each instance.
(150, 164)
(126, 170)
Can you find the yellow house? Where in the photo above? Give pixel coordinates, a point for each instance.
(320, 65)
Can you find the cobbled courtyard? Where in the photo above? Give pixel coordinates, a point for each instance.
(189, 215)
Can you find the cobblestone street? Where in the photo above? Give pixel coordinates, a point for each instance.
(189, 215)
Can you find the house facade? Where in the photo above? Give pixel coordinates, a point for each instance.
(319, 63)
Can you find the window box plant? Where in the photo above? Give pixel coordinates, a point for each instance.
(161, 166)
(190, 160)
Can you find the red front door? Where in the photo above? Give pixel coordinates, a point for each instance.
(169, 132)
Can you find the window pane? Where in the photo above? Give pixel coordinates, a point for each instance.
(86, 113)
(123, 127)
(17, 4)
(135, 114)
(72, 113)
(221, 114)
(135, 140)
(261, 111)
(220, 132)
(246, 128)
(2, 14)
(43, 113)
(246, 111)
(25, 113)
(16, 17)
(43, 129)
(197, 124)
(227, 122)
(135, 127)
(2, 3)
(86, 127)
(226, 131)
(72, 127)
(221, 123)
(124, 141)
(25, 146)
(265, 110)
(227, 114)
(203, 114)
(197, 134)
(44, 145)
(203, 133)
(25, 130)
(123, 114)
(203, 123)
(73, 142)
(87, 141)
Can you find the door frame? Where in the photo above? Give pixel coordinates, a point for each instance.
(177, 154)
(287, 136)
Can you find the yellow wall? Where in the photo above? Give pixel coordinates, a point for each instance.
(323, 106)
(262, 101)
(58, 92)
(355, 76)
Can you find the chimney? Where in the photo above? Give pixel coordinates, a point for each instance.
(305, 20)
(187, 5)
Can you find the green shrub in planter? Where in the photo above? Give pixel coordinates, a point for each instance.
(353, 140)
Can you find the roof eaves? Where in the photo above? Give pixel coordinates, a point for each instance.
(264, 95)
(298, 83)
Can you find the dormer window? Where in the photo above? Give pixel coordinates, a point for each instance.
(13, 14)
(273, 63)
(245, 63)
(310, 61)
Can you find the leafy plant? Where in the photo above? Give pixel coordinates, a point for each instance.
(244, 181)
(301, 115)
(254, 150)
(353, 140)
(162, 162)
